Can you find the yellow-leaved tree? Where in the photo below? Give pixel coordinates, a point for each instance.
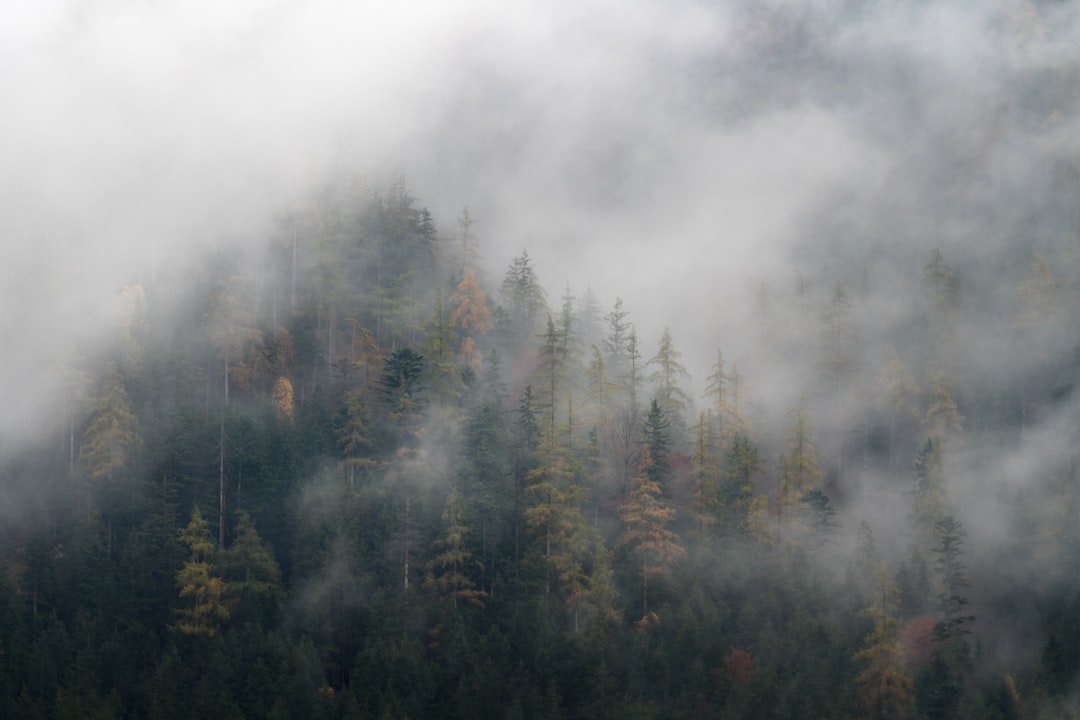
(647, 519)
(471, 317)
(882, 687)
(205, 593)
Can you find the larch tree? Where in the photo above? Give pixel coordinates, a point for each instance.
(553, 515)
(647, 519)
(882, 687)
(451, 559)
(726, 390)
(800, 467)
(204, 592)
(705, 455)
(471, 317)
(355, 431)
(110, 439)
(441, 369)
(283, 399)
(943, 419)
(112, 434)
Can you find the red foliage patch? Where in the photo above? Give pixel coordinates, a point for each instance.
(918, 640)
(737, 664)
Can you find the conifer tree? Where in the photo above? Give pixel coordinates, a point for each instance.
(471, 317)
(952, 578)
(928, 490)
(839, 342)
(647, 519)
(113, 432)
(706, 461)
(440, 367)
(448, 567)
(668, 372)
(657, 439)
(742, 511)
(899, 394)
(200, 584)
(882, 688)
(523, 300)
(251, 574)
(554, 516)
(800, 468)
(943, 419)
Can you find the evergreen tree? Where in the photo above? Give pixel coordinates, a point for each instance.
(943, 420)
(800, 469)
(952, 578)
(673, 400)
(928, 490)
(742, 511)
(523, 300)
(657, 439)
(899, 394)
(251, 575)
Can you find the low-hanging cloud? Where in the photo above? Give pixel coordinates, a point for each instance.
(682, 155)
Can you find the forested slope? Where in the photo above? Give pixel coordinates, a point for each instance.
(354, 476)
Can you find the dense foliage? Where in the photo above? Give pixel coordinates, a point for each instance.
(353, 478)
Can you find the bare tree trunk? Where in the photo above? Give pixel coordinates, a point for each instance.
(221, 482)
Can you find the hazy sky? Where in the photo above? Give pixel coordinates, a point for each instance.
(676, 153)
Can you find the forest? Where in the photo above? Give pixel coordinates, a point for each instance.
(548, 359)
(354, 475)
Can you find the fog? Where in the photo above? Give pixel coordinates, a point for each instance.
(692, 158)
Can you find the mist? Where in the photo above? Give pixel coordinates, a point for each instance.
(721, 167)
